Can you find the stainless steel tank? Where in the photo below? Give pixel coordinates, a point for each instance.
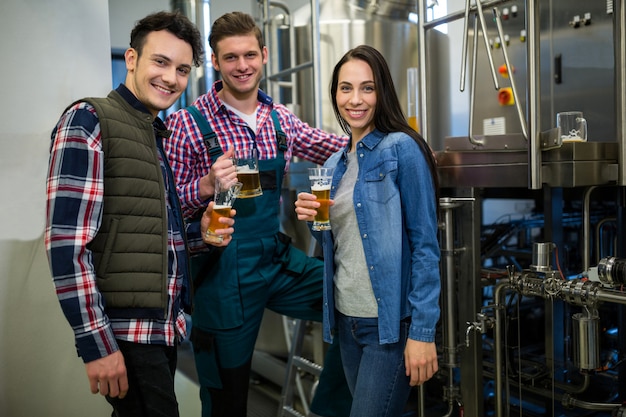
(344, 25)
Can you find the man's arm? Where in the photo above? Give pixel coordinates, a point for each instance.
(74, 190)
(190, 162)
(312, 144)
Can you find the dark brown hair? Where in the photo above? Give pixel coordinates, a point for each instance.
(234, 24)
(175, 23)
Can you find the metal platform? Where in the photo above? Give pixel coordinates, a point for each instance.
(502, 161)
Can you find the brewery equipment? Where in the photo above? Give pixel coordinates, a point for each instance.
(532, 302)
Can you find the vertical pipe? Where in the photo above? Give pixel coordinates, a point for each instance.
(483, 27)
(516, 98)
(449, 303)
(620, 104)
(533, 96)
(499, 306)
(317, 73)
(264, 7)
(587, 227)
(474, 140)
(464, 50)
(421, 65)
(202, 77)
(620, 85)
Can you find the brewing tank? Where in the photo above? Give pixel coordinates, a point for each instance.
(344, 25)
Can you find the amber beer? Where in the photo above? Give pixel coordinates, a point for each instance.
(321, 180)
(413, 123)
(250, 180)
(322, 218)
(214, 224)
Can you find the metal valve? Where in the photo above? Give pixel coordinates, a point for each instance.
(483, 323)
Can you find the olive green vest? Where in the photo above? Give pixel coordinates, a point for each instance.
(130, 251)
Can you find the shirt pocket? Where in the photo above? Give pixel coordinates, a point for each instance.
(380, 181)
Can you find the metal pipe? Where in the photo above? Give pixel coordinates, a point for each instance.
(317, 73)
(292, 56)
(548, 393)
(598, 235)
(518, 103)
(533, 97)
(483, 28)
(611, 297)
(465, 38)
(201, 77)
(591, 298)
(422, 401)
(570, 401)
(587, 227)
(289, 71)
(448, 303)
(421, 67)
(267, 36)
(451, 17)
(472, 139)
(282, 6)
(272, 74)
(498, 295)
(448, 204)
(620, 85)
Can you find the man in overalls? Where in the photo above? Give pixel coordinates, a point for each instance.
(260, 268)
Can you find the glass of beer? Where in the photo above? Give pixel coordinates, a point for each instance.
(223, 200)
(247, 164)
(321, 179)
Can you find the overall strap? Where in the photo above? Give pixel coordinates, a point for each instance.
(210, 138)
(208, 135)
(281, 137)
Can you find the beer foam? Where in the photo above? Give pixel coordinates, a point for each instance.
(220, 206)
(245, 169)
(320, 187)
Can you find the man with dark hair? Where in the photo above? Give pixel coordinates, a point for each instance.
(260, 269)
(115, 236)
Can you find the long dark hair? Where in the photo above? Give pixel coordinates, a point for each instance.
(388, 116)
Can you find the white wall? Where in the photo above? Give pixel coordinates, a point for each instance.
(124, 14)
(57, 51)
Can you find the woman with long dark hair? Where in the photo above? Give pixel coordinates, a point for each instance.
(381, 287)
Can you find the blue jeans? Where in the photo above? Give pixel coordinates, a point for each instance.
(150, 370)
(375, 373)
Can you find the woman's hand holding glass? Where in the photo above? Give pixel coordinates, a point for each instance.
(306, 206)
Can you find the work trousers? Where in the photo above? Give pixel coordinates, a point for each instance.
(250, 276)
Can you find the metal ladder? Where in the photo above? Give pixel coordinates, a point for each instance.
(295, 364)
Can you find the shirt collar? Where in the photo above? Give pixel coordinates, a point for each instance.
(370, 141)
(157, 123)
(160, 129)
(131, 99)
(262, 97)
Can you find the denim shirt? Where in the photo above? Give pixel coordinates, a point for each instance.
(397, 220)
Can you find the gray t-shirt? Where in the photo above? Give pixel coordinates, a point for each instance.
(353, 289)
